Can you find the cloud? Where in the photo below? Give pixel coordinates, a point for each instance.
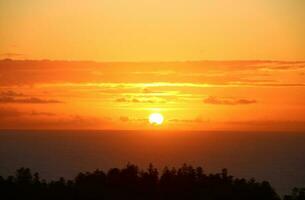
(30, 100)
(12, 55)
(121, 100)
(163, 74)
(127, 119)
(146, 90)
(14, 113)
(160, 73)
(124, 119)
(142, 100)
(9, 113)
(12, 118)
(196, 120)
(149, 91)
(35, 113)
(9, 96)
(10, 93)
(228, 101)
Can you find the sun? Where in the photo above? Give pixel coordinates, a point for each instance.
(156, 119)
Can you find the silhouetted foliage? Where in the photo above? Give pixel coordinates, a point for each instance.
(130, 182)
(297, 194)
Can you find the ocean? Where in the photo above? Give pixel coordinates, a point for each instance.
(277, 157)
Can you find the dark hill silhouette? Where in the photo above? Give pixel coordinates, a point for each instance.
(130, 182)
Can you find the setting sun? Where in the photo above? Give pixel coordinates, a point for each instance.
(156, 119)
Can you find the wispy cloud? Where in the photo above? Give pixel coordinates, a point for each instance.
(124, 118)
(12, 55)
(140, 100)
(9, 113)
(39, 113)
(30, 100)
(10, 96)
(24, 119)
(15, 113)
(170, 84)
(173, 74)
(228, 101)
(10, 93)
(160, 73)
(196, 120)
(128, 119)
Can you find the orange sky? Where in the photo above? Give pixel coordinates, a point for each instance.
(154, 30)
(210, 95)
(137, 37)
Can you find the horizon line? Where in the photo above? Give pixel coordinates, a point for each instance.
(150, 130)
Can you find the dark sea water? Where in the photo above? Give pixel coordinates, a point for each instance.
(276, 157)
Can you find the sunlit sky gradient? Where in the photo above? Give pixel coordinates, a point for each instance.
(154, 30)
(228, 95)
(261, 88)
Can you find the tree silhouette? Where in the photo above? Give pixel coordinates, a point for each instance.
(186, 182)
(297, 194)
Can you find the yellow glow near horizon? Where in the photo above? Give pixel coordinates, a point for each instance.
(226, 95)
(156, 119)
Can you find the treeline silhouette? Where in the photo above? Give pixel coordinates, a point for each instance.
(186, 182)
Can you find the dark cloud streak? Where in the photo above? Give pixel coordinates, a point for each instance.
(30, 100)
